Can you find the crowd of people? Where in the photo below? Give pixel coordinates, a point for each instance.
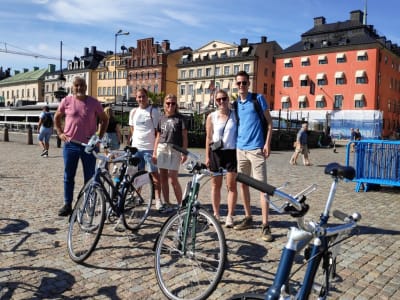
(237, 140)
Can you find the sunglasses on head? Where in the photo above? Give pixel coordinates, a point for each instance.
(222, 99)
(170, 103)
(244, 83)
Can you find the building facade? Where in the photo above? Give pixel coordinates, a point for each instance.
(341, 75)
(213, 66)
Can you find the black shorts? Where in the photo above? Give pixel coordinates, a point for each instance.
(225, 159)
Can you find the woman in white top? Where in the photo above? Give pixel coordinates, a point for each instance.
(221, 125)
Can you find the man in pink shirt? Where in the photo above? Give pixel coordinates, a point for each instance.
(81, 115)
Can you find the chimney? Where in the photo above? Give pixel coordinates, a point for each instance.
(51, 68)
(319, 21)
(263, 39)
(26, 70)
(165, 45)
(86, 51)
(35, 68)
(243, 42)
(16, 72)
(357, 16)
(93, 50)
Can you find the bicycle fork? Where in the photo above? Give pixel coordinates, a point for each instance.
(296, 241)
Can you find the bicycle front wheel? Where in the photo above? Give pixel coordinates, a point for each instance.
(86, 223)
(137, 200)
(190, 271)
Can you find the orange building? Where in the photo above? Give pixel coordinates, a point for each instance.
(342, 75)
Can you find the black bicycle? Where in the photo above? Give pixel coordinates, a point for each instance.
(129, 195)
(319, 240)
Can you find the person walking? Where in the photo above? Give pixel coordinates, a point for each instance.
(81, 113)
(221, 134)
(171, 130)
(253, 148)
(45, 129)
(301, 146)
(113, 132)
(143, 122)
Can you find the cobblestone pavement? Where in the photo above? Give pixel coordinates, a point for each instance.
(34, 262)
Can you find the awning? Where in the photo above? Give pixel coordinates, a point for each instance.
(339, 75)
(358, 97)
(225, 84)
(340, 55)
(198, 85)
(305, 59)
(303, 77)
(302, 98)
(204, 54)
(360, 73)
(321, 76)
(286, 78)
(361, 53)
(287, 61)
(207, 84)
(320, 98)
(285, 99)
(322, 57)
(245, 49)
(223, 52)
(186, 56)
(196, 56)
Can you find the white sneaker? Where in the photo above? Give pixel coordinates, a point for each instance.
(229, 222)
(159, 204)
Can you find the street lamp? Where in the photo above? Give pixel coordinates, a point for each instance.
(119, 32)
(60, 93)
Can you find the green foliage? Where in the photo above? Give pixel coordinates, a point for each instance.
(156, 98)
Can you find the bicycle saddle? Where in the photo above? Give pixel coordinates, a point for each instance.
(338, 170)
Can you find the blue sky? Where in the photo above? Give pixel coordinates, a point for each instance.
(38, 26)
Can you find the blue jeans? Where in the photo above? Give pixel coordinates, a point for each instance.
(72, 153)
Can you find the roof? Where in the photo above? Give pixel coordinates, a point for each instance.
(30, 76)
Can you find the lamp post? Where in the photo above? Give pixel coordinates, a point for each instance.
(119, 32)
(60, 93)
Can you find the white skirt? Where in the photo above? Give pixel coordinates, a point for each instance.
(167, 157)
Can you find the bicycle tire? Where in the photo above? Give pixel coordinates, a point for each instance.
(86, 223)
(138, 198)
(196, 274)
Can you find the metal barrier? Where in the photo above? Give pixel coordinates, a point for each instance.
(377, 162)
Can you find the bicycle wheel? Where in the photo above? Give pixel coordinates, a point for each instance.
(86, 223)
(137, 200)
(247, 296)
(193, 274)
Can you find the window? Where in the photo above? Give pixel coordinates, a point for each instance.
(191, 73)
(208, 72)
(362, 55)
(320, 101)
(361, 77)
(265, 88)
(359, 100)
(199, 72)
(322, 81)
(182, 89)
(305, 61)
(287, 81)
(287, 63)
(338, 102)
(232, 52)
(302, 101)
(340, 81)
(303, 80)
(285, 101)
(235, 69)
(340, 58)
(322, 60)
(183, 74)
(190, 89)
(217, 71)
(226, 70)
(246, 68)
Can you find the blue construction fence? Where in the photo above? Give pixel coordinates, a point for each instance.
(377, 162)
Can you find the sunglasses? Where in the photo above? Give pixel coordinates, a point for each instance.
(170, 103)
(244, 83)
(222, 99)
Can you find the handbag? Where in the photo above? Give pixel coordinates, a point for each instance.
(218, 145)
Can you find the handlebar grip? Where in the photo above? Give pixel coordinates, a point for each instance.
(341, 215)
(254, 183)
(180, 149)
(76, 142)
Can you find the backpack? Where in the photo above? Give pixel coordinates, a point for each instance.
(260, 113)
(47, 120)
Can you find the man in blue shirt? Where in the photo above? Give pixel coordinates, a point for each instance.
(253, 148)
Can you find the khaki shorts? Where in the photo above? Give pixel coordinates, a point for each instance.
(167, 157)
(252, 163)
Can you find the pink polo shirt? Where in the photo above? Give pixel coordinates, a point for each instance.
(80, 117)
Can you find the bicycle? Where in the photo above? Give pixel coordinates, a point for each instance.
(129, 195)
(319, 240)
(190, 250)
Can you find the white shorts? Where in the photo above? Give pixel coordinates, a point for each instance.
(167, 157)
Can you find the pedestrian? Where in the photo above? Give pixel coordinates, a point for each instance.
(81, 114)
(357, 135)
(171, 130)
(352, 138)
(301, 146)
(221, 135)
(143, 122)
(45, 129)
(253, 148)
(113, 132)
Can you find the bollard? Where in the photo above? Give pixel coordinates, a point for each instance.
(6, 139)
(30, 137)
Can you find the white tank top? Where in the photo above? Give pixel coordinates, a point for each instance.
(229, 134)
